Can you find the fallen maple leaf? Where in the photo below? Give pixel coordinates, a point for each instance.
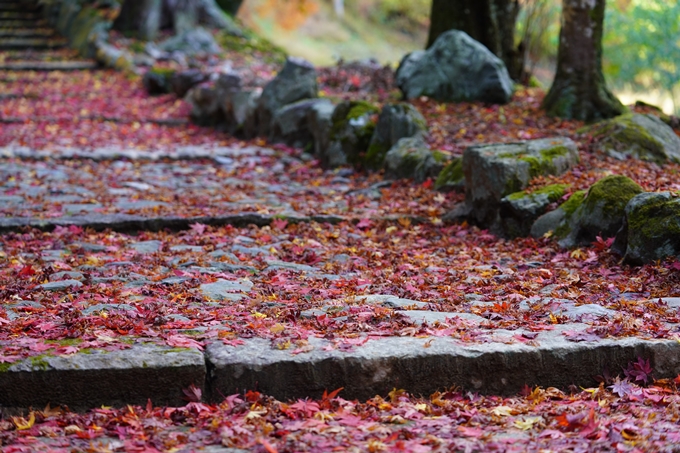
(193, 394)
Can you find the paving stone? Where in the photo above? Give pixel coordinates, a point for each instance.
(425, 365)
(278, 265)
(115, 378)
(90, 247)
(587, 310)
(67, 275)
(146, 247)
(78, 208)
(673, 302)
(224, 289)
(184, 248)
(174, 280)
(61, 285)
(97, 308)
(390, 301)
(432, 317)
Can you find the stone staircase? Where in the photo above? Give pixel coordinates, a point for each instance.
(27, 42)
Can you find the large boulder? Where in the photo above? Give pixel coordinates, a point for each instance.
(240, 112)
(395, 122)
(455, 68)
(352, 126)
(194, 41)
(587, 215)
(495, 171)
(157, 80)
(519, 210)
(290, 124)
(295, 82)
(412, 158)
(651, 229)
(645, 137)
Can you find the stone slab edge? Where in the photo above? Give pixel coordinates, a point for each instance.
(131, 223)
(424, 365)
(90, 379)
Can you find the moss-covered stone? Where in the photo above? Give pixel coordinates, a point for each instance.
(652, 228)
(611, 193)
(519, 210)
(352, 128)
(645, 137)
(573, 202)
(396, 121)
(451, 177)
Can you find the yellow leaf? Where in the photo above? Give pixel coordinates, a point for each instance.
(258, 315)
(527, 423)
(578, 254)
(502, 410)
(21, 423)
(390, 229)
(277, 328)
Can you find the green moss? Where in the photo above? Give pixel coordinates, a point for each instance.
(361, 108)
(611, 193)
(4, 367)
(68, 342)
(659, 218)
(39, 362)
(553, 191)
(555, 151)
(451, 174)
(375, 154)
(623, 134)
(439, 156)
(163, 72)
(572, 204)
(250, 44)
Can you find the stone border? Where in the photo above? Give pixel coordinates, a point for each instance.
(418, 365)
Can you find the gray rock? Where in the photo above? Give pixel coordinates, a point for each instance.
(196, 41)
(455, 68)
(186, 248)
(396, 121)
(290, 124)
(519, 211)
(64, 275)
(451, 177)
(181, 82)
(319, 122)
(432, 317)
(146, 247)
(412, 158)
(240, 112)
(226, 289)
(295, 82)
(651, 228)
(276, 265)
(205, 105)
(97, 308)
(645, 137)
(587, 310)
(495, 171)
(156, 82)
(351, 132)
(61, 285)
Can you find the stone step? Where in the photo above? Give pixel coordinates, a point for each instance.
(48, 65)
(31, 43)
(17, 6)
(16, 23)
(363, 369)
(27, 33)
(20, 15)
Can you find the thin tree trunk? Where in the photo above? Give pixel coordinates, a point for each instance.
(579, 90)
(491, 22)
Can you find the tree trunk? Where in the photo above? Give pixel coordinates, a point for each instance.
(143, 17)
(579, 90)
(491, 22)
(147, 17)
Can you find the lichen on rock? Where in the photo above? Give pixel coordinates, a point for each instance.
(451, 178)
(352, 127)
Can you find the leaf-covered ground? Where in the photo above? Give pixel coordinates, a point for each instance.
(71, 289)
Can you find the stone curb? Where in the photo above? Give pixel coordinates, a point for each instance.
(131, 223)
(90, 379)
(421, 366)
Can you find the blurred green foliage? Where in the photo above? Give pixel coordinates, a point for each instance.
(642, 46)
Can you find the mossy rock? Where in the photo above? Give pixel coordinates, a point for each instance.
(599, 212)
(157, 80)
(396, 121)
(352, 127)
(451, 178)
(495, 171)
(642, 136)
(651, 229)
(411, 158)
(519, 210)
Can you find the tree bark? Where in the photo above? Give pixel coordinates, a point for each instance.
(143, 17)
(491, 22)
(579, 90)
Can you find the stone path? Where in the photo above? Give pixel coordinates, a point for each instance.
(28, 43)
